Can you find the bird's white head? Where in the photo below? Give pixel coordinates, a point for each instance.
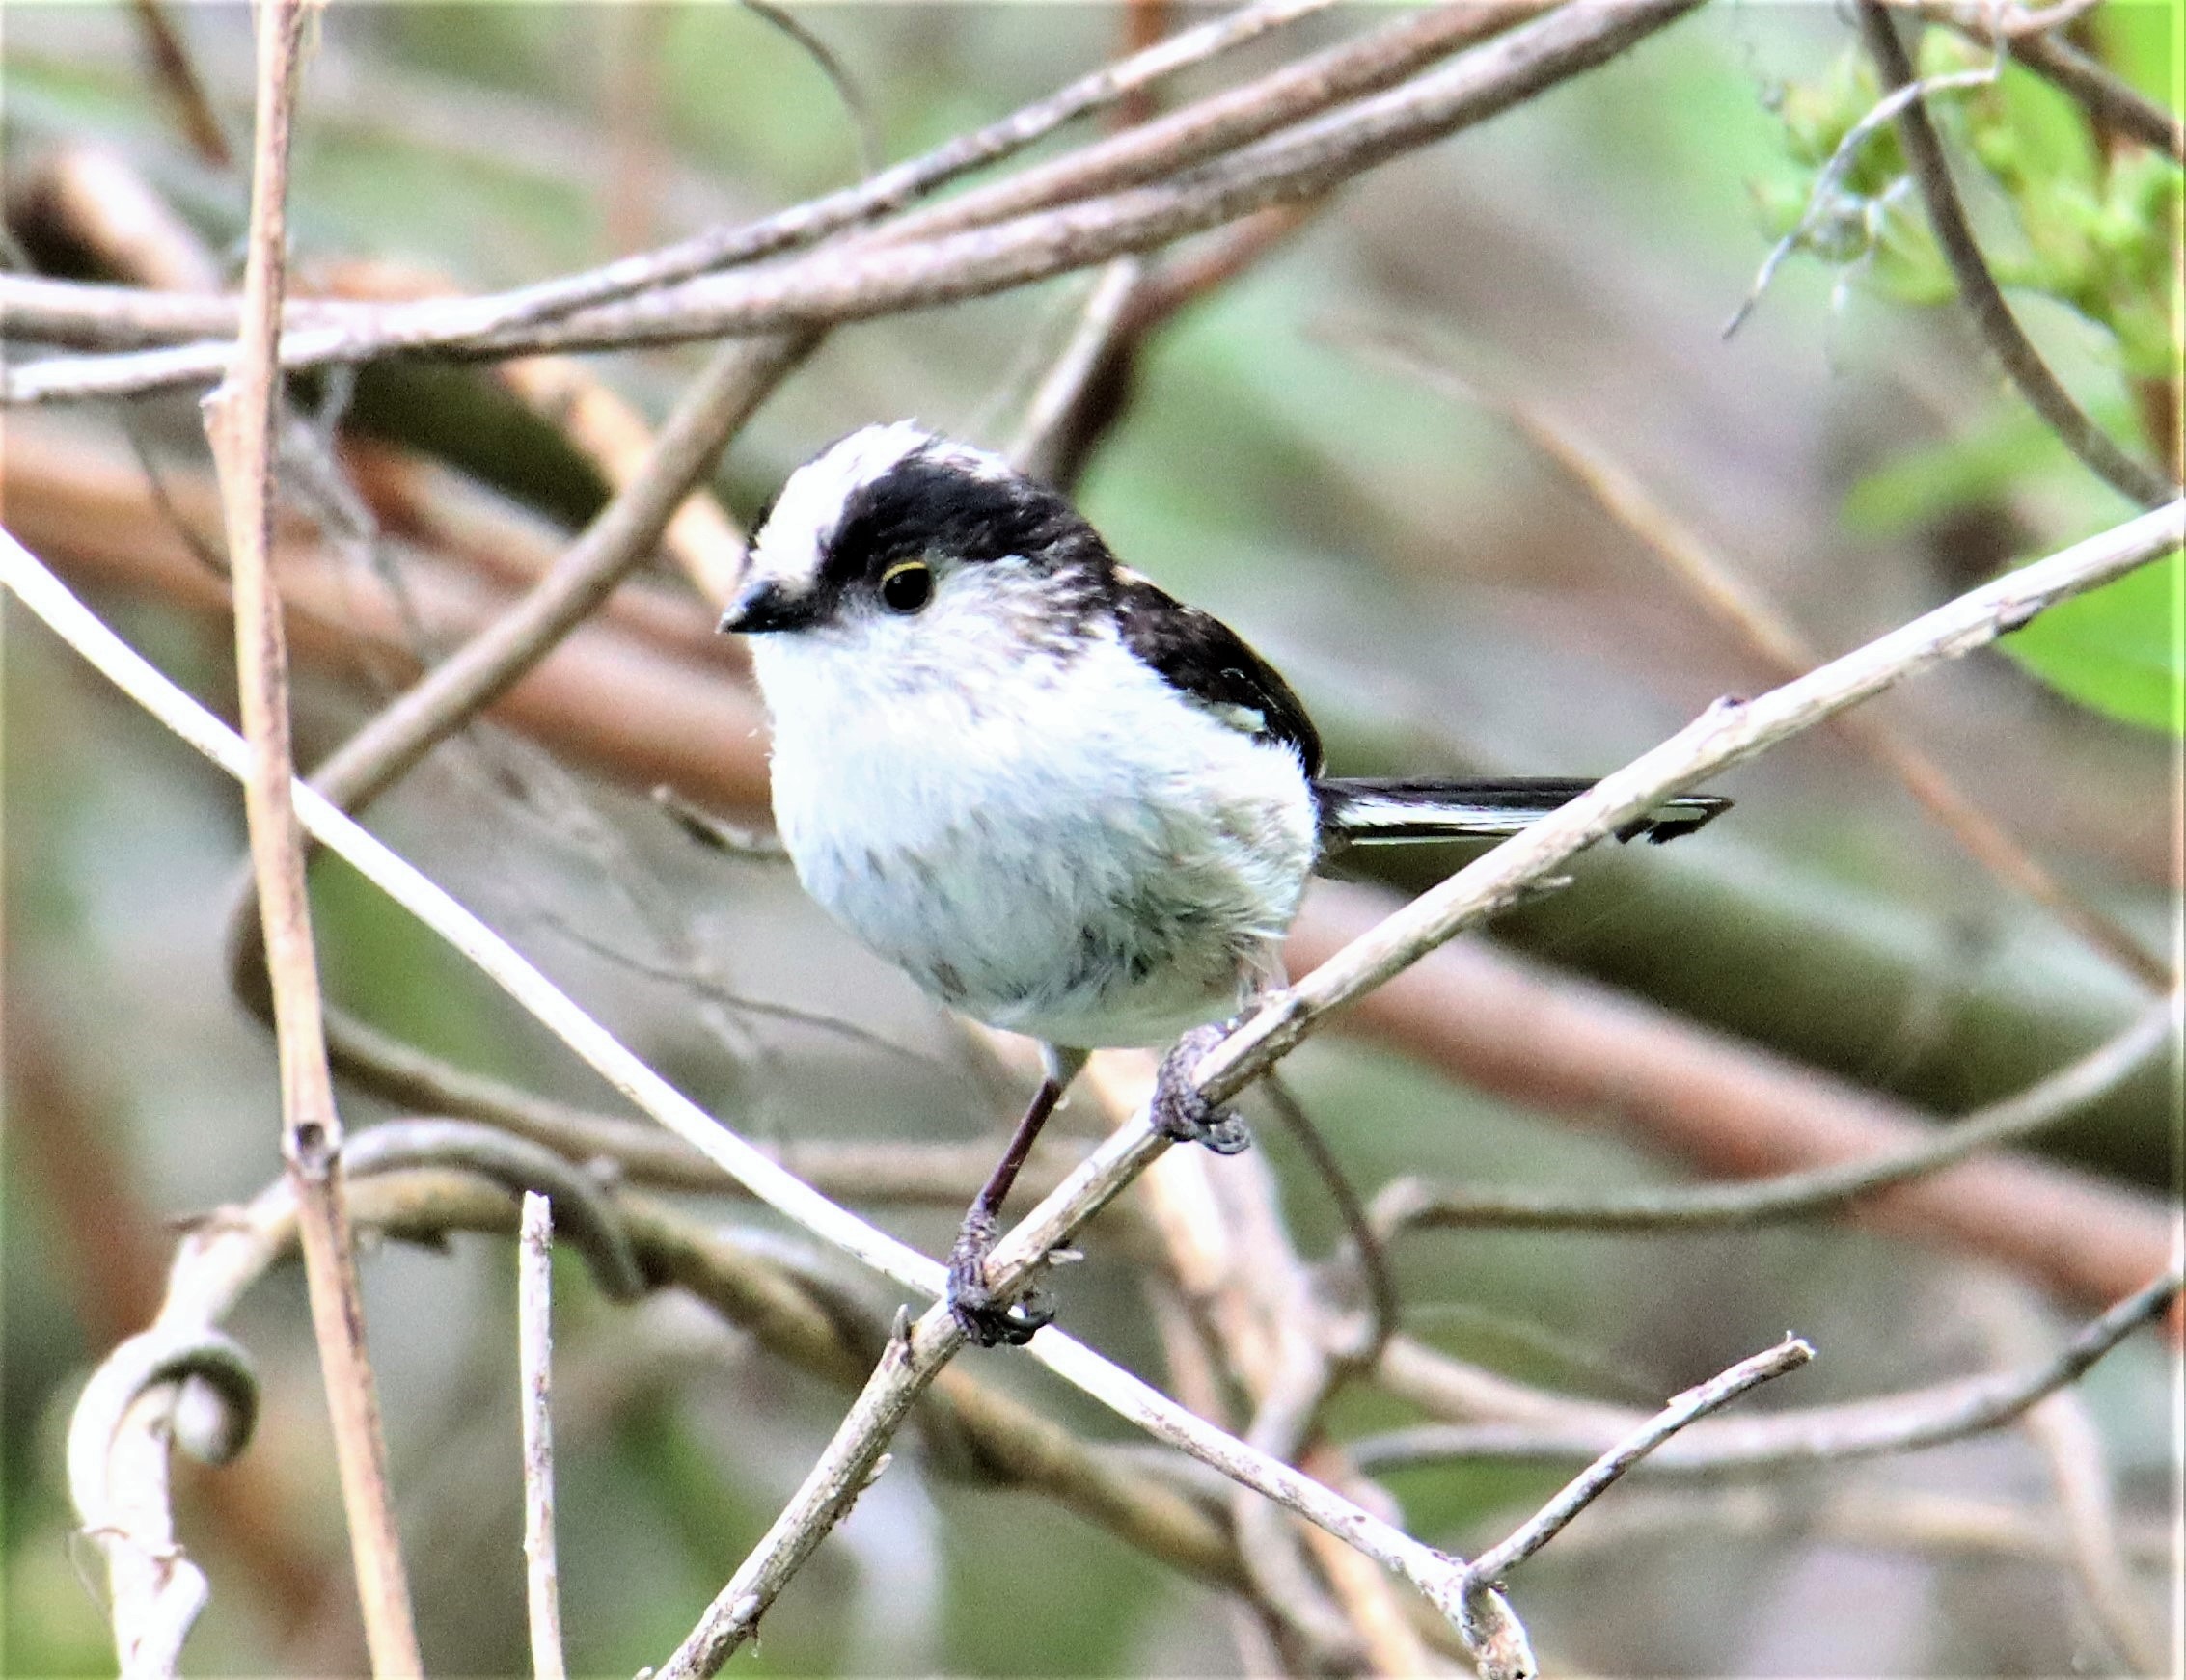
(910, 554)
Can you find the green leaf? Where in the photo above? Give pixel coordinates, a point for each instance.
(2121, 649)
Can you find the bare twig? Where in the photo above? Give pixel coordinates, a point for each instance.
(239, 421)
(1743, 605)
(534, 1361)
(1554, 1427)
(177, 74)
(1590, 1484)
(1407, 1203)
(1034, 449)
(2066, 1435)
(801, 225)
(876, 278)
(723, 395)
(1554, 1041)
(2114, 103)
(1978, 287)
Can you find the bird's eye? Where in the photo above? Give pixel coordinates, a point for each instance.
(907, 585)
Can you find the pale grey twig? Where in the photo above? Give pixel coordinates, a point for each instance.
(1491, 1567)
(1731, 732)
(1411, 1203)
(1873, 1428)
(117, 1478)
(1746, 608)
(1984, 301)
(588, 1216)
(535, 1363)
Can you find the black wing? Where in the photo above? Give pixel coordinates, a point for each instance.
(1200, 655)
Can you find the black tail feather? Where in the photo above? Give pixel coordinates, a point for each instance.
(1370, 809)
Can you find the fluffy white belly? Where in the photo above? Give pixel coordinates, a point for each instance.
(1099, 864)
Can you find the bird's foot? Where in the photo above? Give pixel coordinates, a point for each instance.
(1180, 1112)
(985, 1319)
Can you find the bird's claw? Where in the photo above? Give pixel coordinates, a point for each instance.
(1181, 1113)
(984, 1319)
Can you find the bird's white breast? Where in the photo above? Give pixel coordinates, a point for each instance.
(1056, 843)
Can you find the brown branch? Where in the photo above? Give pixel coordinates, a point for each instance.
(1409, 1204)
(1984, 301)
(54, 310)
(1304, 162)
(176, 76)
(717, 402)
(239, 421)
(1568, 1045)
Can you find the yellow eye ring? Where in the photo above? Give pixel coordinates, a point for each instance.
(907, 586)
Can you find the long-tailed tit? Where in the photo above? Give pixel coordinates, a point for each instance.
(1061, 801)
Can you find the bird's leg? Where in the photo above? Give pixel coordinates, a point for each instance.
(1181, 1113)
(987, 1321)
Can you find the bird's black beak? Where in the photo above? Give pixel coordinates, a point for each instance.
(764, 606)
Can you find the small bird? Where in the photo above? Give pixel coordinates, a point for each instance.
(1062, 802)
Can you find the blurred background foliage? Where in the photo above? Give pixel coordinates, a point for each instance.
(1443, 597)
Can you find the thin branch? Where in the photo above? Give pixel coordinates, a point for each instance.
(877, 278)
(241, 420)
(865, 130)
(1731, 732)
(1409, 1204)
(721, 247)
(732, 385)
(2064, 1433)
(1745, 608)
(534, 1361)
(2114, 104)
(1726, 1109)
(1591, 1483)
(1035, 450)
(177, 74)
(1978, 287)
(1556, 1427)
